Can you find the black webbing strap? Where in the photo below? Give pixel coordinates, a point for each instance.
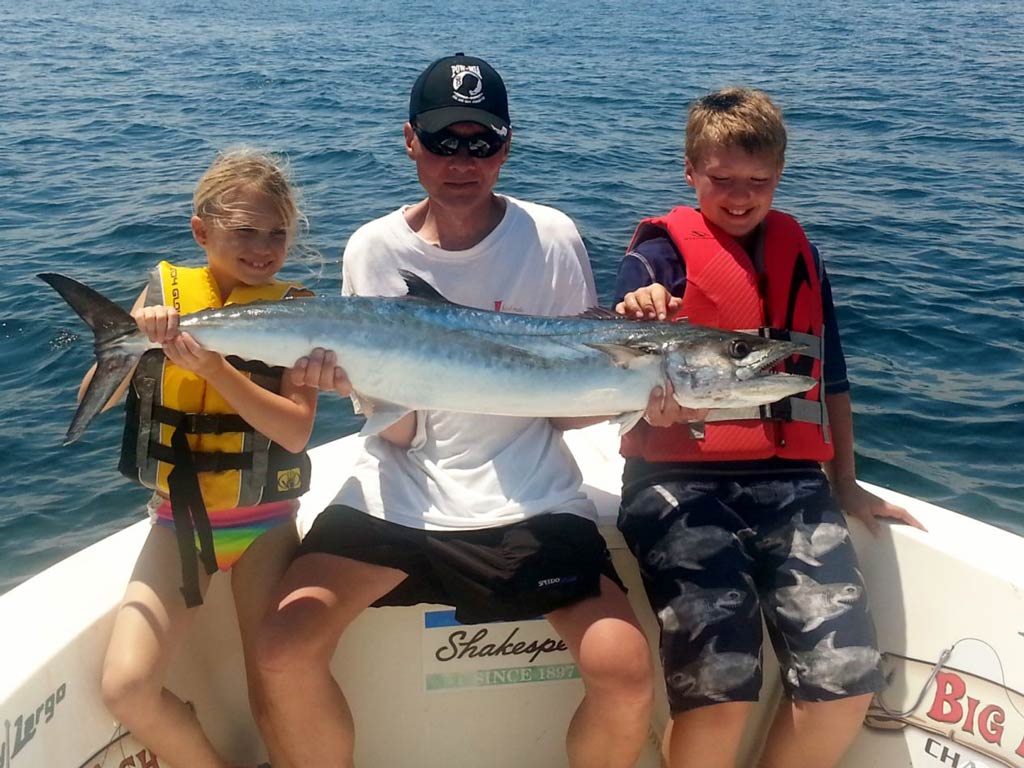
(190, 519)
(214, 461)
(201, 423)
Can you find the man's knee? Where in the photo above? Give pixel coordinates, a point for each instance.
(283, 648)
(615, 656)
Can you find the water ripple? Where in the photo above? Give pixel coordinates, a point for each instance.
(905, 164)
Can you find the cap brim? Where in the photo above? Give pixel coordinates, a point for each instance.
(435, 120)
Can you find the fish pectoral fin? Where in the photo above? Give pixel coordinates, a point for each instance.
(621, 355)
(627, 421)
(380, 414)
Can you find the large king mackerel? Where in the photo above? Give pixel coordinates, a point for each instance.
(422, 352)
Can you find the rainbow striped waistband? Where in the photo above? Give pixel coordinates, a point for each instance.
(263, 516)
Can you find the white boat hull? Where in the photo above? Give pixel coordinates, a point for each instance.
(429, 693)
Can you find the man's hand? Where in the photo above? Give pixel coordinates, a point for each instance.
(652, 302)
(320, 370)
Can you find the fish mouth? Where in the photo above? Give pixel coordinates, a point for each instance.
(756, 368)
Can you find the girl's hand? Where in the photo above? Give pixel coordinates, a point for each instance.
(320, 370)
(652, 302)
(185, 352)
(159, 323)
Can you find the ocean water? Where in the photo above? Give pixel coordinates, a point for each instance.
(905, 166)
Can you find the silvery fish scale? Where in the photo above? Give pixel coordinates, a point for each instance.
(425, 354)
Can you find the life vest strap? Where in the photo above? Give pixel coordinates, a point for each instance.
(203, 461)
(789, 409)
(200, 423)
(188, 511)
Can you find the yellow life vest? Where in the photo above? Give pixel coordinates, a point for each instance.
(237, 466)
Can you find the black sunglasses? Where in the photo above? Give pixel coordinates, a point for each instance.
(446, 143)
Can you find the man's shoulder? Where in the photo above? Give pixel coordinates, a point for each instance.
(545, 217)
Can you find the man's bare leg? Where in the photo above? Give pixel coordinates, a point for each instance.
(614, 659)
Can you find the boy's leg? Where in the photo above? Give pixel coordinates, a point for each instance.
(708, 737)
(611, 651)
(148, 629)
(813, 734)
(689, 547)
(321, 594)
(254, 581)
(824, 636)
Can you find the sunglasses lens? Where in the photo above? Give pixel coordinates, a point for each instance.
(439, 143)
(483, 146)
(446, 143)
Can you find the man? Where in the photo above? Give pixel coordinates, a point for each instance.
(483, 513)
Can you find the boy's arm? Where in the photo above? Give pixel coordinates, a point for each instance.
(842, 472)
(651, 302)
(286, 418)
(651, 281)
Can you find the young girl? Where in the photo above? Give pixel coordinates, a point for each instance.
(220, 442)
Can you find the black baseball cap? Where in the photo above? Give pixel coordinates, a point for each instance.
(459, 89)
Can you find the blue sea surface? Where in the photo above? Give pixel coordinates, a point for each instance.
(905, 165)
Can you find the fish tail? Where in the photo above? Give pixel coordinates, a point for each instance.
(110, 325)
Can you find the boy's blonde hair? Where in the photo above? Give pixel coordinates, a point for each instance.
(735, 117)
(245, 168)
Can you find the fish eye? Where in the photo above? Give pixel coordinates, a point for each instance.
(738, 349)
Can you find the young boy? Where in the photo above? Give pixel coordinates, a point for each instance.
(729, 513)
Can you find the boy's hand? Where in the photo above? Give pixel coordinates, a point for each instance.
(857, 502)
(652, 302)
(185, 352)
(664, 411)
(159, 323)
(320, 370)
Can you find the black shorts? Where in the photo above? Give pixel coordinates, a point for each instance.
(509, 573)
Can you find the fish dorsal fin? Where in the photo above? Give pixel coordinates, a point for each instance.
(621, 355)
(599, 313)
(418, 288)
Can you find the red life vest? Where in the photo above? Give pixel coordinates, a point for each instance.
(724, 290)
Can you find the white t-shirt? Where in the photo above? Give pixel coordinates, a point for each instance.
(463, 470)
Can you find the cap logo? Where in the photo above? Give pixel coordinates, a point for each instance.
(467, 84)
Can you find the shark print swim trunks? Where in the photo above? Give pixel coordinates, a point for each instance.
(717, 554)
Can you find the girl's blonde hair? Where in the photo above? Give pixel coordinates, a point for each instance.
(735, 117)
(245, 168)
